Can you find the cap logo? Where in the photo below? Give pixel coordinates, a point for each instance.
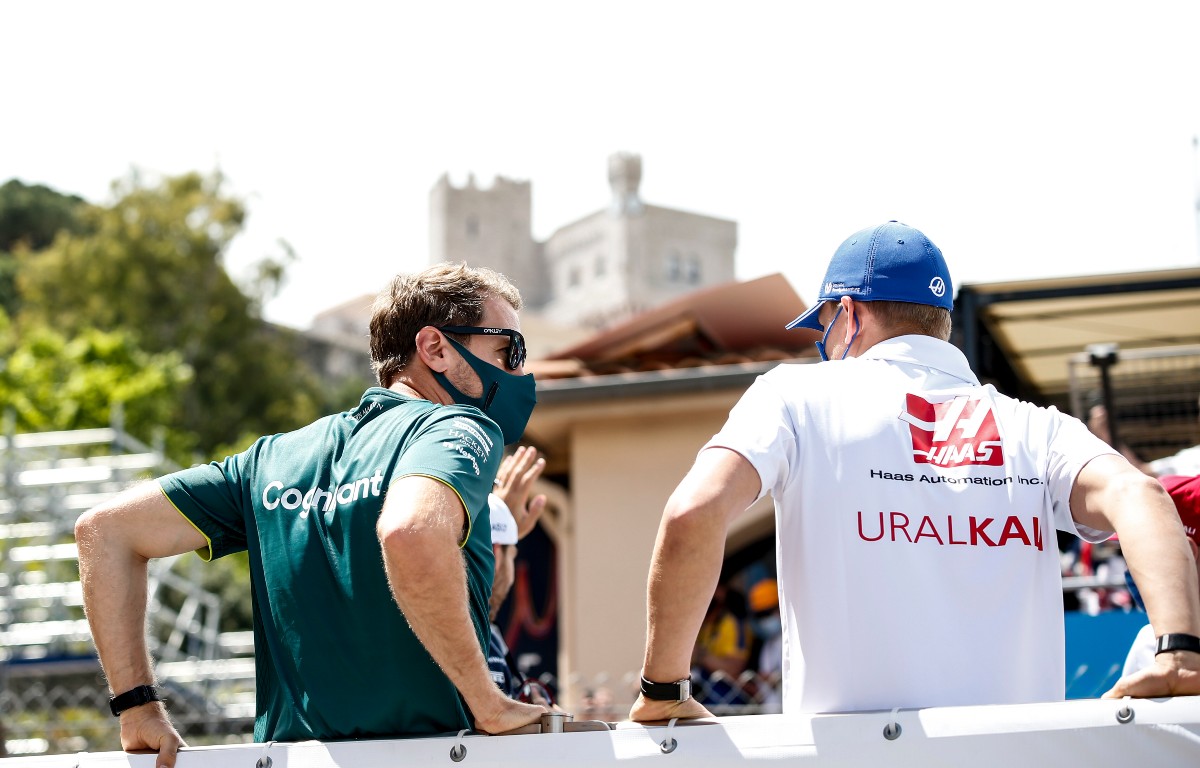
(937, 286)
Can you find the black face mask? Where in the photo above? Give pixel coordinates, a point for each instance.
(507, 399)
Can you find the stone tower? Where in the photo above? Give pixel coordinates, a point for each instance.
(595, 271)
(488, 227)
(632, 257)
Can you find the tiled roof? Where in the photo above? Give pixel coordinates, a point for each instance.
(731, 324)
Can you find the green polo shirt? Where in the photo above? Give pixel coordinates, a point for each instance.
(335, 657)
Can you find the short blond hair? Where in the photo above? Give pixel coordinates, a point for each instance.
(443, 294)
(902, 317)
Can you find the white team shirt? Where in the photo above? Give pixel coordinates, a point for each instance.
(1186, 462)
(915, 515)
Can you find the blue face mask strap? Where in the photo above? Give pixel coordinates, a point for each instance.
(821, 343)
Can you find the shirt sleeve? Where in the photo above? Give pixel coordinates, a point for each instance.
(211, 498)
(459, 447)
(762, 429)
(1072, 446)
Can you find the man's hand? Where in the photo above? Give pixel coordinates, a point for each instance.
(148, 727)
(1172, 674)
(514, 481)
(508, 714)
(650, 710)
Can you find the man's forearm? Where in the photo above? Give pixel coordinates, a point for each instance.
(116, 542)
(428, 580)
(683, 576)
(1156, 551)
(1109, 493)
(688, 555)
(114, 599)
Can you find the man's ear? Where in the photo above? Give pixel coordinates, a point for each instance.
(432, 349)
(854, 317)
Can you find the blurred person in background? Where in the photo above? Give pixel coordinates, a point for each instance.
(514, 515)
(768, 625)
(722, 650)
(1185, 462)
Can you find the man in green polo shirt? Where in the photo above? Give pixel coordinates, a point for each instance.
(368, 535)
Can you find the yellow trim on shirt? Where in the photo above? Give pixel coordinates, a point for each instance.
(208, 546)
(466, 509)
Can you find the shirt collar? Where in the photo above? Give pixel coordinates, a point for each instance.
(925, 351)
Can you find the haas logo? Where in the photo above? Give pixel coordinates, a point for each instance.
(954, 432)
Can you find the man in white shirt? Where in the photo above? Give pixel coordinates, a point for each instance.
(915, 515)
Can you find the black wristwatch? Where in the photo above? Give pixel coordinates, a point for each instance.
(680, 690)
(1177, 641)
(135, 697)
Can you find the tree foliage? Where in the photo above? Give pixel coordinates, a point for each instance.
(151, 265)
(30, 218)
(50, 382)
(130, 304)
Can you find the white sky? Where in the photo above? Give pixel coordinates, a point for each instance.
(1027, 139)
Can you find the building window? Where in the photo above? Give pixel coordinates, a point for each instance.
(472, 227)
(599, 267)
(693, 269)
(574, 278)
(674, 267)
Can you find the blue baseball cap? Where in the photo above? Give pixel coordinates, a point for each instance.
(891, 262)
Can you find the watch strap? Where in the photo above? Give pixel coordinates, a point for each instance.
(680, 690)
(1177, 641)
(134, 697)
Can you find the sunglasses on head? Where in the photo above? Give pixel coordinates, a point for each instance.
(516, 342)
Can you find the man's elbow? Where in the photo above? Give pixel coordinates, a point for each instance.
(403, 544)
(94, 532)
(685, 516)
(90, 524)
(1132, 495)
(1134, 485)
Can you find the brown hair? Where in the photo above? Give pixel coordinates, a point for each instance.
(902, 317)
(444, 294)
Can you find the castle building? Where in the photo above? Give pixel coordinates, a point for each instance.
(595, 271)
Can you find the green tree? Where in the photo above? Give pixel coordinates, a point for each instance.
(50, 382)
(30, 218)
(152, 265)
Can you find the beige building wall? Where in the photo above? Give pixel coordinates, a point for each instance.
(679, 252)
(587, 271)
(625, 458)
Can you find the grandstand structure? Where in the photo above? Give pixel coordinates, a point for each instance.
(48, 663)
(1154, 394)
